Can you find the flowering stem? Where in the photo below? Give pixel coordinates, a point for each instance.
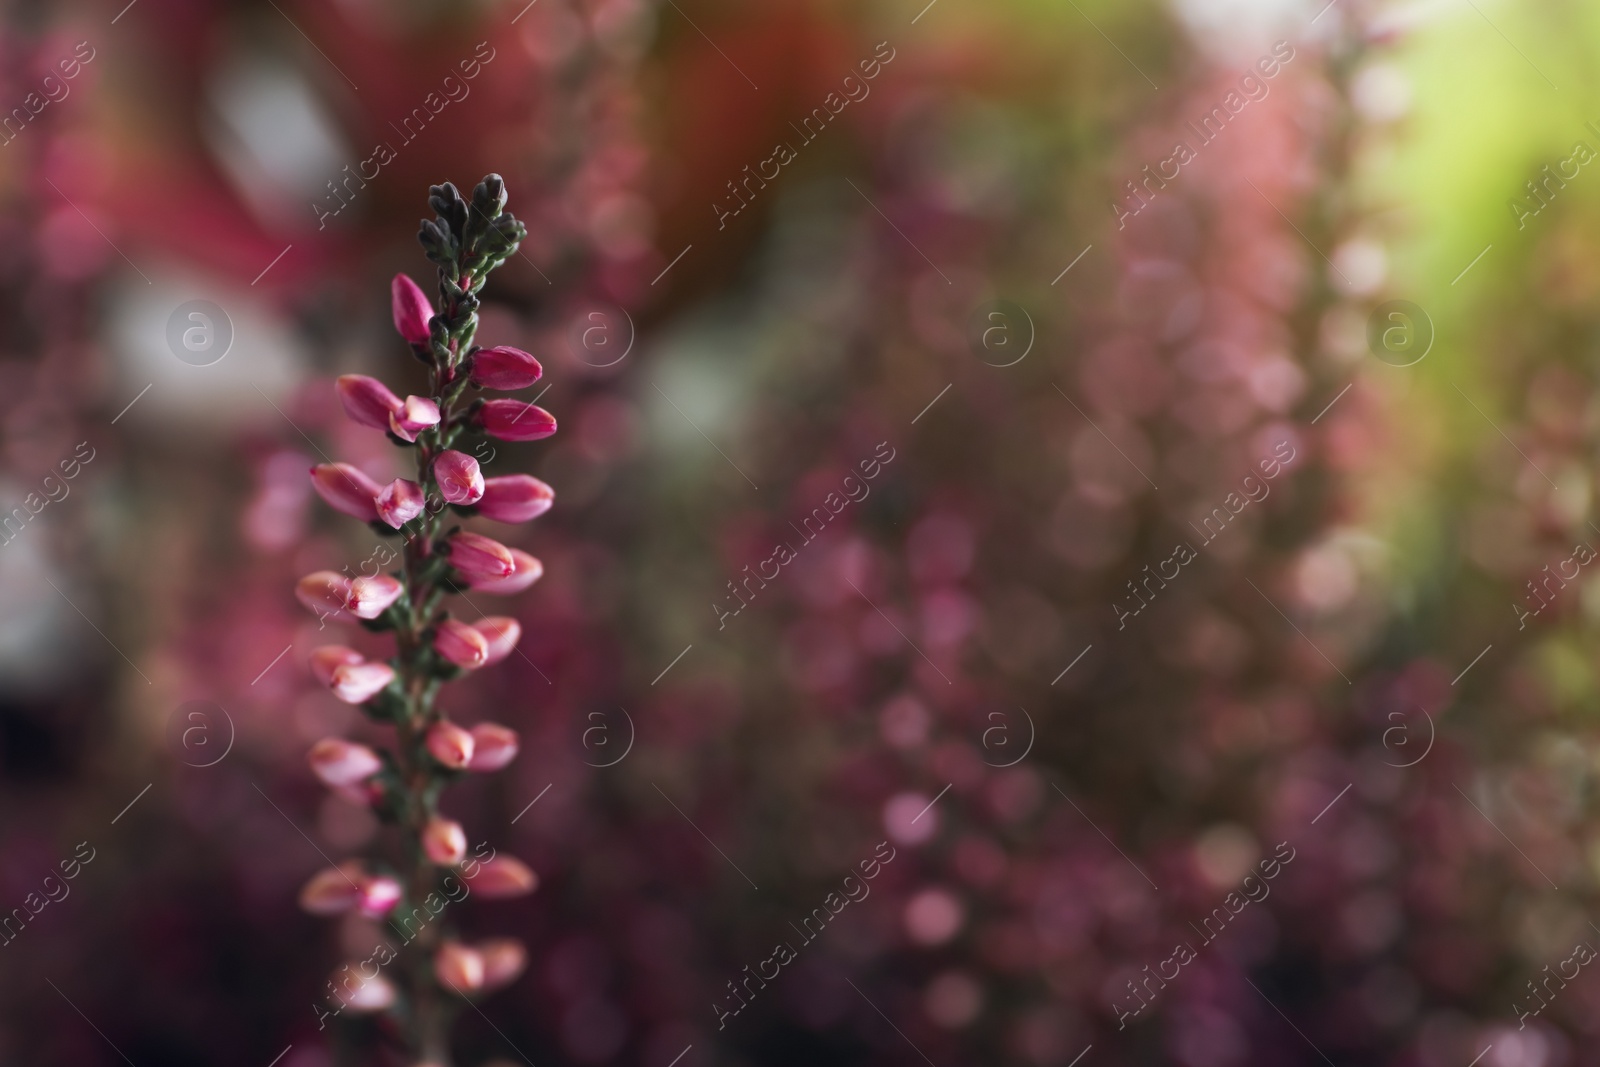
(467, 240)
(429, 1021)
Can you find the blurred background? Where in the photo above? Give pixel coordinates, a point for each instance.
(1182, 419)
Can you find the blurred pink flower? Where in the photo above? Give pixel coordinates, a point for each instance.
(329, 658)
(460, 968)
(444, 841)
(371, 597)
(357, 683)
(371, 995)
(450, 744)
(461, 644)
(500, 634)
(503, 876)
(503, 959)
(494, 746)
(333, 890)
(340, 762)
(323, 592)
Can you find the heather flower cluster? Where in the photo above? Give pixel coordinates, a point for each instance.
(467, 240)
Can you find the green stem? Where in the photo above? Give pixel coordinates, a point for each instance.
(429, 1016)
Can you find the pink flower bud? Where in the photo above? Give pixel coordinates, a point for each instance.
(373, 994)
(418, 413)
(323, 593)
(371, 597)
(450, 744)
(460, 481)
(458, 967)
(363, 794)
(346, 489)
(525, 571)
(357, 683)
(412, 310)
(399, 502)
(477, 556)
(503, 959)
(493, 746)
(333, 890)
(461, 644)
(502, 877)
(366, 400)
(328, 658)
(340, 762)
(502, 367)
(501, 634)
(515, 498)
(444, 841)
(379, 895)
(514, 420)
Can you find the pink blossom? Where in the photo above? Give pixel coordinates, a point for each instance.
(399, 502)
(357, 683)
(514, 420)
(328, 658)
(346, 489)
(366, 400)
(503, 367)
(515, 498)
(340, 762)
(461, 644)
(362, 794)
(493, 746)
(525, 571)
(503, 960)
(323, 593)
(411, 308)
(478, 557)
(371, 597)
(333, 890)
(450, 744)
(379, 895)
(502, 877)
(500, 634)
(444, 841)
(373, 994)
(418, 413)
(458, 967)
(460, 481)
